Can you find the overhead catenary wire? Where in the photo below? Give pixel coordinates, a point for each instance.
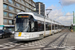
(63, 15)
(62, 6)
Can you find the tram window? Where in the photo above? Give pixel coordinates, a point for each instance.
(40, 27)
(36, 26)
(28, 29)
(53, 27)
(32, 27)
(43, 27)
(48, 27)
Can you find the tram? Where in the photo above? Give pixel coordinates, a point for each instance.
(32, 26)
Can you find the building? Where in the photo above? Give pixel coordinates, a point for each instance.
(73, 21)
(9, 8)
(40, 8)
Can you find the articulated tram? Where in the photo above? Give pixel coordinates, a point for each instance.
(31, 26)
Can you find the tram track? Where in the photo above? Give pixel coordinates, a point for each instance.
(46, 45)
(37, 43)
(61, 43)
(56, 42)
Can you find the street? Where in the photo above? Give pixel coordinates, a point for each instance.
(64, 40)
(6, 40)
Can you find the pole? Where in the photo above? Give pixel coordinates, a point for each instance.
(73, 17)
(51, 27)
(44, 26)
(54, 26)
(73, 21)
(47, 17)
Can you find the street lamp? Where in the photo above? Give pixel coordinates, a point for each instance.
(44, 20)
(47, 16)
(44, 26)
(34, 9)
(48, 12)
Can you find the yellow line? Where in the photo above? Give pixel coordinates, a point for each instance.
(44, 35)
(50, 32)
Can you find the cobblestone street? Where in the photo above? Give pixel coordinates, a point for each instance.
(62, 40)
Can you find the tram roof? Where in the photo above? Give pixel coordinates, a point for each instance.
(38, 17)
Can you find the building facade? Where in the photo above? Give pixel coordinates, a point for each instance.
(10, 8)
(40, 8)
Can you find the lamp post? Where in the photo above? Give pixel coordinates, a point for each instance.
(48, 12)
(44, 26)
(51, 25)
(34, 9)
(47, 16)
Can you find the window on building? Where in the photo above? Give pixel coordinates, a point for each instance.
(5, 21)
(11, 1)
(5, 0)
(33, 4)
(22, 1)
(11, 8)
(10, 21)
(27, 0)
(18, 5)
(11, 15)
(27, 4)
(27, 9)
(5, 14)
(23, 7)
(30, 1)
(17, 10)
(19, 0)
(4, 6)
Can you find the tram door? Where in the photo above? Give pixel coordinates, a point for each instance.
(33, 26)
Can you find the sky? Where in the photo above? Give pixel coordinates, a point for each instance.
(62, 10)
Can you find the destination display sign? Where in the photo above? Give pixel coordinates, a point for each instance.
(22, 16)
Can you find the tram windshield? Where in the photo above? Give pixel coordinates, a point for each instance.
(22, 23)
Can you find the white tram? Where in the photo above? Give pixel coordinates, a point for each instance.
(31, 26)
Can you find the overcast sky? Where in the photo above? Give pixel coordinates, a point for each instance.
(62, 10)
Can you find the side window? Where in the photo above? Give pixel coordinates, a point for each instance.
(32, 26)
(48, 26)
(53, 26)
(40, 27)
(36, 26)
(28, 29)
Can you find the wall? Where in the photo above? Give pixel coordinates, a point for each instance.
(1, 12)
